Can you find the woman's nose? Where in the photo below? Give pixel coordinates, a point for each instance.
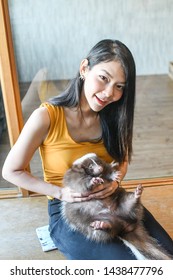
(109, 91)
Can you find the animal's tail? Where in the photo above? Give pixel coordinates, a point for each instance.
(144, 246)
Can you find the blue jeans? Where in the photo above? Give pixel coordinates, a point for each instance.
(75, 246)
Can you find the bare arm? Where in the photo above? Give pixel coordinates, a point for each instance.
(31, 137)
(14, 169)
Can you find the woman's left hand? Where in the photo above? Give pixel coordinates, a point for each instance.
(103, 190)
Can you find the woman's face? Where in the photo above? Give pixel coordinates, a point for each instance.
(103, 84)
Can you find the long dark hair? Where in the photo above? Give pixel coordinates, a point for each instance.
(117, 117)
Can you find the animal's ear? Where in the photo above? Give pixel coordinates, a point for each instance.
(77, 168)
(114, 164)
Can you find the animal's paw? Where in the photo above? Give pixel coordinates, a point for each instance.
(115, 176)
(138, 191)
(103, 225)
(96, 181)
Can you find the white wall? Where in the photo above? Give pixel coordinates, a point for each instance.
(58, 33)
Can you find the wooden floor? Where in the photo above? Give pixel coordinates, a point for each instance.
(153, 128)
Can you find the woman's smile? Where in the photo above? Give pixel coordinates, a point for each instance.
(101, 101)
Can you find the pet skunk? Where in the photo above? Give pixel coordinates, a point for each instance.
(119, 215)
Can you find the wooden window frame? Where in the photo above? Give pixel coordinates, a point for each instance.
(9, 83)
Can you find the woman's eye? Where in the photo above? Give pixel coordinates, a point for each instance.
(120, 87)
(103, 78)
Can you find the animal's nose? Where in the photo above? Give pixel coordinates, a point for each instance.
(100, 168)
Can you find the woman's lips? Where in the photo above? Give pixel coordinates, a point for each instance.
(100, 101)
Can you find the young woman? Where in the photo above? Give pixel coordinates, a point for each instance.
(94, 114)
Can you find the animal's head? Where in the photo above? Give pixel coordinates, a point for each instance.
(90, 163)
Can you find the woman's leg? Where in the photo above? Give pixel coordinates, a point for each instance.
(157, 231)
(75, 246)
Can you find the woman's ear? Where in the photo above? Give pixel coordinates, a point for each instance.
(83, 67)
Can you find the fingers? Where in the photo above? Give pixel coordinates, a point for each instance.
(76, 197)
(102, 194)
(99, 192)
(80, 199)
(104, 190)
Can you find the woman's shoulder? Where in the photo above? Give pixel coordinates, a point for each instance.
(40, 118)
(54, 116)
(37, 125)
(52, 110)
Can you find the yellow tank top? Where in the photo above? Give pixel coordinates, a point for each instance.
(59, 150)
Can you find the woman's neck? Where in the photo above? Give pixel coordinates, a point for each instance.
(83, 123)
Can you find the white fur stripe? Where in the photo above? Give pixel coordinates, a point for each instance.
(135, 251)
(81, 159)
